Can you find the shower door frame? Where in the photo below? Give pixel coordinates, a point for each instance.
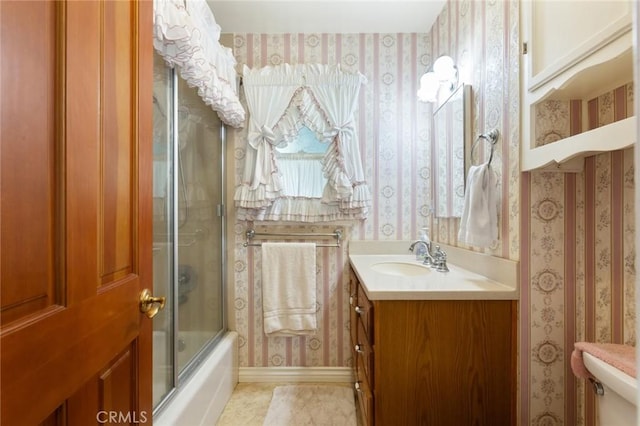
(180, 377)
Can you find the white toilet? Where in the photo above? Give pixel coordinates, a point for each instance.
(616, 393)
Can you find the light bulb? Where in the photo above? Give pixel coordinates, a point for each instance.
(445, 70)
(429, 86)
(429, 80)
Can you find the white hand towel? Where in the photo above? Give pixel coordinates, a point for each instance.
(289, 288)
(479, 222)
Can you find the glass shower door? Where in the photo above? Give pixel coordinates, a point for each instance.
(200, 225)
(163, 230)
(188, 228)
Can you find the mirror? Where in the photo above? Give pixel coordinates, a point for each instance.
(451, 124)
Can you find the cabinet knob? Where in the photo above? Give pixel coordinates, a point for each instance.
(359, 310)
(358, 348)
(357, 386)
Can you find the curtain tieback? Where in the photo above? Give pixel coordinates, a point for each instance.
(337, 131)
(265, 135)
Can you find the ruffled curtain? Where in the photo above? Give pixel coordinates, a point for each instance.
(267, 97)
(280, 100)
(338, 93)
(301, 175)
(186, 35)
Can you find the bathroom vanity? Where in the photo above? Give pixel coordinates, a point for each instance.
(428, 351)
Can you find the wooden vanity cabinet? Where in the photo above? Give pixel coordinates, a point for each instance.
(433, 362)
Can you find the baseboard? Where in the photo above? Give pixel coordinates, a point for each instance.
(295, 374)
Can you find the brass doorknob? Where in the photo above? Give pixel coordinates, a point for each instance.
(150, 305)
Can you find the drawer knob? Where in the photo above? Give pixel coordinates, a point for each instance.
(358, 348)
(359, 310)
(357, 386)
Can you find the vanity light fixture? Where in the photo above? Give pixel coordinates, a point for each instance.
(444, 74)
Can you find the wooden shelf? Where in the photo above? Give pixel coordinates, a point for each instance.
(568, 154)
(597, 59)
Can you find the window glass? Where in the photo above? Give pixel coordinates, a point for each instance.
(300, 166)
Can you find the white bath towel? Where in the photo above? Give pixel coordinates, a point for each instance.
(479, 222)
(289, 288)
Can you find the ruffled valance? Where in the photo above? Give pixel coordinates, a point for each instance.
(186, 35)
(281, 99)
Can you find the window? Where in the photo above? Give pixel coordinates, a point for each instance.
(300, 165)
(288, 106)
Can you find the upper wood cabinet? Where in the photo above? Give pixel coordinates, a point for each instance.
(572, 52)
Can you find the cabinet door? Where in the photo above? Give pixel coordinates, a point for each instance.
(560, 33)
(444, 362)
(364, 399)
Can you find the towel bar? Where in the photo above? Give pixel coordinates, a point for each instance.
(491, 137)
(251, 234)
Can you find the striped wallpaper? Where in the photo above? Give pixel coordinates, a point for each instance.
(395, 138)
(573, 233)
(394, 142)
(577, 262)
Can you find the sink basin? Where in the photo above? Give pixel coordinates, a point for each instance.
(400, 269)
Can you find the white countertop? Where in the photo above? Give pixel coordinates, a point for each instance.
(457, 284)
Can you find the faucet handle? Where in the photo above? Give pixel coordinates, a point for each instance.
(440, 257)
(440, 254)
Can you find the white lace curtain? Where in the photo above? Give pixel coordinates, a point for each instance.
(281, 99)
(186, 35)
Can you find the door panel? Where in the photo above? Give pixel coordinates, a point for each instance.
(27, 159)
(75, 212)
(81, 115)
(115, 401)
(117, 119)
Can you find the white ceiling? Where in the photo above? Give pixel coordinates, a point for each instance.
(328, 16)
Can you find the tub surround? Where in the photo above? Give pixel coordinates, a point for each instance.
(472, 275)
(203, 397)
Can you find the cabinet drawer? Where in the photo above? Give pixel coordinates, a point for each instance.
(364, 353)
(364, 398)
(353, 288)
(353, 327)
(364, 310)
(353, 316)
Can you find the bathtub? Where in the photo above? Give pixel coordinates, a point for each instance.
(202, 398)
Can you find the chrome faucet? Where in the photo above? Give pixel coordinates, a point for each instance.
(440, 260)
(437, 260)
(427, 258)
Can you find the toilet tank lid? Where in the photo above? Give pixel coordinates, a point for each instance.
(622, 357)
(613, 379)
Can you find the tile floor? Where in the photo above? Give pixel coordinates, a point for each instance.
(249, 404)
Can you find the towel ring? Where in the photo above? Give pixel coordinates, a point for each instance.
(492, 138)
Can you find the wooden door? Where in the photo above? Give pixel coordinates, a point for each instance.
(75, 218)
